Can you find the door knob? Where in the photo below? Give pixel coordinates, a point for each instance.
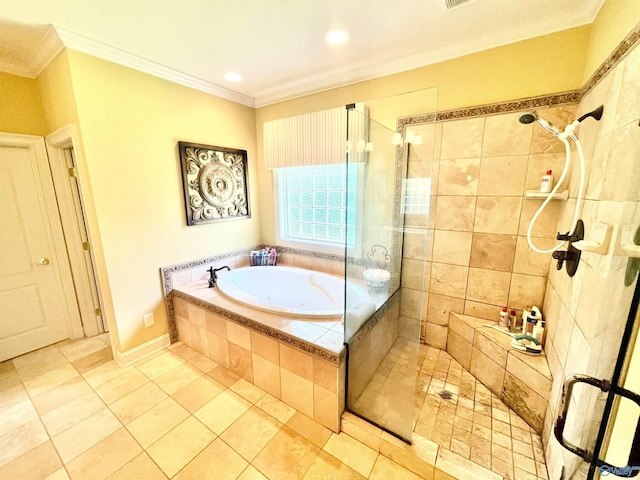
(44, 261)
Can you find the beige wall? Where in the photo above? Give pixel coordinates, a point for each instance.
(131, 123)
(20, 106)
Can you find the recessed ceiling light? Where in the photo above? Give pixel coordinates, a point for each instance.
(233, 77)
(337, 36)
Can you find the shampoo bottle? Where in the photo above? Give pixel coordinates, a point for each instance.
(504, 318)
(538, 331)
(546, 185)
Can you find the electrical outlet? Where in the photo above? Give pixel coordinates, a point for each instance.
(148, 320)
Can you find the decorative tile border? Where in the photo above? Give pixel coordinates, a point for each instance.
(330, 357)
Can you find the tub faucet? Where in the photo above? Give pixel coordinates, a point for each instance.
(214, 276)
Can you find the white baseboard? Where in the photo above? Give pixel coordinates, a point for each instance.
(127, 358)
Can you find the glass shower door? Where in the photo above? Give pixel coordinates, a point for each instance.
(382, 339)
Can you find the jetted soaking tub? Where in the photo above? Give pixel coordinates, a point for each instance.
(294, 292)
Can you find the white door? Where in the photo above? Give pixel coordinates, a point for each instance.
(33, 312)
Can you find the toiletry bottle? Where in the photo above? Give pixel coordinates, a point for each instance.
(525, 314)
(546, 185)
(504, 318)
(538, 331)
(532, 320)
(513, 321)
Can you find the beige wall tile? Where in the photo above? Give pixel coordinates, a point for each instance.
(240, 362)
(180, 307)
(216, 324)
(497, 215)
(297, 392)
(455, 213)
(493, 252)
(526, 402)
(480, 310)
(296, 361)
(440, 306)
(543, 141)
(466, 331)
(459, 349)
(218, 349)
(325, 375)
(436, 336)
(415, 244)
(462, 138)
(541, 384)
(265, 347)
(505, 135)
(413, 273)
(239, 335)
(410, 303)
(196, 315)
(503, 176)
(488, 286)
(325, 408)
(538, 166)
(546, 223)
(458, 176)
(452, 247)
(526, 290)
(529, 262)
(449, 280)
(487, 371)
(491, 349)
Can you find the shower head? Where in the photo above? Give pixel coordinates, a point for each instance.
(531, 116)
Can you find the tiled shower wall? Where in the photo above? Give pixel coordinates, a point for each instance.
(477, 258)
(586, 313)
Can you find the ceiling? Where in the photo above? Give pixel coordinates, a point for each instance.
(278, 46)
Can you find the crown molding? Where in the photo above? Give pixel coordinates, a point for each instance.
(48, 48)
(106, 52)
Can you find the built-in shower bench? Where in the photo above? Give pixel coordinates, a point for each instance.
(523, 382)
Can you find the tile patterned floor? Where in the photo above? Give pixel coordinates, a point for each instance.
(469, 421)
(70, 412)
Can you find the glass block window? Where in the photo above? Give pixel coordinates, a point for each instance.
(316, 205)
(416, 195)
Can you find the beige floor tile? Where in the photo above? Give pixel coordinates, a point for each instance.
(9, 378)
(41, 355)
(154, 423)
(136, 403)
(16, 416)
(216, 462)
(223, 376)
(12, 396)
(40, 367)
(60, 474)
(71, 413)
(49, 380)
(21, 440)
(219, 413)
(180, 445)
(140, 468)
(197, 393)
(60, 395)
(104, 458)
(328, 466)
(120, 386)
(77, 349)
(35, 464)
(385, 469)
(248, 390)
(85, 434)
(251, 432)
(287, 456)
(277, 409)
(176, 378)
(160, 364)
(351, 452)
(309, 429)
(251, 473)
(93, 360)
(105, 372)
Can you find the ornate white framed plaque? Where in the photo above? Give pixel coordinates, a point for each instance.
(215, 183)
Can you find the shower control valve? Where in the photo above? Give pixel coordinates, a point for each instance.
(561, 257)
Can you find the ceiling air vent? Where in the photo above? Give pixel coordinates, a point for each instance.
(449, 4)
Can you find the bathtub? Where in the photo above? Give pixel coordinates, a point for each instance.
(295, 292)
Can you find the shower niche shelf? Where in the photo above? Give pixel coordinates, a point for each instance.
(536, 194)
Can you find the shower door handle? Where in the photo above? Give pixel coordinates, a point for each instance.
(605, 386)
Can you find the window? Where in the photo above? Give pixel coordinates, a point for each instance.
(318, 205)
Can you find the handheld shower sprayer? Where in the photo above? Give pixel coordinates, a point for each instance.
(531, 116)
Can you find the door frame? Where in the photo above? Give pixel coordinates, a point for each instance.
(56, 144)
(36, 147)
